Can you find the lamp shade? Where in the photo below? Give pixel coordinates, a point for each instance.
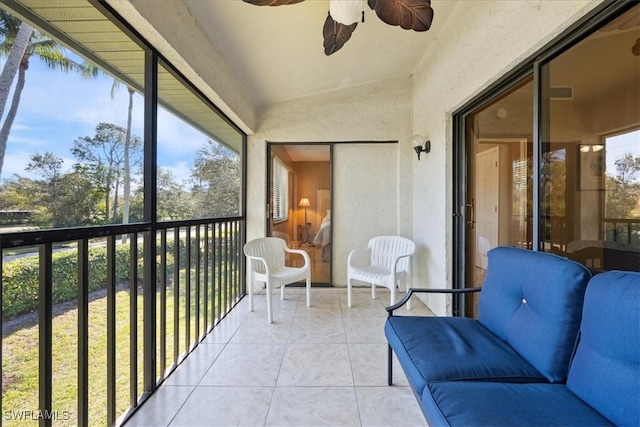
(304, 203)
(346, 11)
(418, 139)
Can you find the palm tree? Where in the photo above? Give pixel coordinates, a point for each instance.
(93, 71)
(20, 42)
(127, 166)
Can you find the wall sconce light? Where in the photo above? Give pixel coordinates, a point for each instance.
(417, 139)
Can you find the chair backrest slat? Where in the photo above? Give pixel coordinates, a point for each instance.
(385, 249)
(272, 249)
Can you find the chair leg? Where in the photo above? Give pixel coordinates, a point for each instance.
(373, 291)
(308, 291)
(269, 307)
(282, 292)
(349, 292)
(250, 286)
(393, 295)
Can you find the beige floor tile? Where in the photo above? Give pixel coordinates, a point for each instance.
(225, 406)
(246, 365)
(191, 371)
(318, 330)
(316, 365)
(365, 330)
(313, 406)
(161, 407)
(389, 407)
(320, 366)
(256, 330)
(369, 365)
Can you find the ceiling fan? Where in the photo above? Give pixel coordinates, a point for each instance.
(343, 17)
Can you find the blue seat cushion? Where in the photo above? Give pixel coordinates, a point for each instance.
(605, 371)
(533, 301)
(454, 348)
(504, 404)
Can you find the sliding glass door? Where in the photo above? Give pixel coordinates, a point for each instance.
(550, 159)
(590, 181)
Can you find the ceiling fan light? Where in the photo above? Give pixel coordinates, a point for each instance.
(346, 12)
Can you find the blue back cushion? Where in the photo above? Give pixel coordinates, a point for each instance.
(533, 301)
(605, 371)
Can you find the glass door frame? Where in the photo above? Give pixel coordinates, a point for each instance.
(268, 189)
(462, 209)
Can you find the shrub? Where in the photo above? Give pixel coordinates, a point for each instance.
(20, 279)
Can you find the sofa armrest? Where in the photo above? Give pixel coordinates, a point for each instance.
(411, 291)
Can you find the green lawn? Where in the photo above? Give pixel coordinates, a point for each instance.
(20, 358)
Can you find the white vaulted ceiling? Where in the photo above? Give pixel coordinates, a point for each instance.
(277, 51)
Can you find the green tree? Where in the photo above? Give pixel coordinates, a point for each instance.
(173, 201)
(104, 155)
(79, 200)
(49, 167)
(18, 193)
(20, 42)
(216, 181)
(623, 189)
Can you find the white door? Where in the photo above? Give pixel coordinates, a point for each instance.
(487, 202)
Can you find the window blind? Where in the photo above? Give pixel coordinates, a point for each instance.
(280, 191)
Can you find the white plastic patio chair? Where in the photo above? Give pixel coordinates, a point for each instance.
(287, 240)
(266, 263)
(389, 265)
(483, 249)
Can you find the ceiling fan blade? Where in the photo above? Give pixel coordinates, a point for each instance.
(336, 34)
(414, 15)
(272, 2)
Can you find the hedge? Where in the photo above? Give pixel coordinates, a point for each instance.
(20, 278)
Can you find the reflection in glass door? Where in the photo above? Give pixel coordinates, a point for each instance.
(590, 197)
(500, 195)
(582, 145)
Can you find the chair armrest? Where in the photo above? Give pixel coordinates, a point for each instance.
(397, 259)
(353, 253)
(411, 291)
(262, 260)
(305, 255)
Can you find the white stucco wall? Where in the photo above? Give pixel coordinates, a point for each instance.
(481, 42)
(369, 113)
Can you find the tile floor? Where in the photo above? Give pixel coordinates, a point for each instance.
(318, 366)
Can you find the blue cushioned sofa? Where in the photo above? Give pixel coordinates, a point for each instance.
(532, 357)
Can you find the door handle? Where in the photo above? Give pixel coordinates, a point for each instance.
(471, 214)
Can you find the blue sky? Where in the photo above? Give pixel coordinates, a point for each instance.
(619, 145)
(57, 108)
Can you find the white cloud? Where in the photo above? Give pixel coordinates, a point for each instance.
(176, 136)
(180, 171)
